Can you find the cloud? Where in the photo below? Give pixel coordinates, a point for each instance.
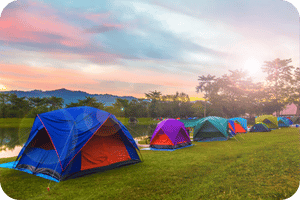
(103, 28)
(28, 77)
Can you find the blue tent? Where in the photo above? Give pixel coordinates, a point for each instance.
(242, 121)
(231, 127)
(260, 128)
(283, 122)
(290, 121)
(72, 142)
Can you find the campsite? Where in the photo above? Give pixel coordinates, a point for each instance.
(250, 166)
(144, 99)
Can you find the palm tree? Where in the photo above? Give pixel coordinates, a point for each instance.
(153, 95)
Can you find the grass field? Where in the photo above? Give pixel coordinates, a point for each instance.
(255, 166)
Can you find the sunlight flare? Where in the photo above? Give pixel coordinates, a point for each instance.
(252, 65)
(2, 87)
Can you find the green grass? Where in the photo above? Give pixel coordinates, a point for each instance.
(255, 166)
(141, 121)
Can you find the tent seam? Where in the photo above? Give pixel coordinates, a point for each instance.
(51, 141)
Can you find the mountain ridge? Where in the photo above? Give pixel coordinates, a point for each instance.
(69, 96)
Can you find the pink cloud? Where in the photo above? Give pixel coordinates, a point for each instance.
(43, 27)
(22, 76)
(19, 25)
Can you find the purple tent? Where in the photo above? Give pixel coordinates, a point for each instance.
(170, 134)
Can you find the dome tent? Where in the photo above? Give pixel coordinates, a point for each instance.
(283, 122)
(260, 127)
(269, 120)
(170, 134)
(73, 142)
(241, 122)
(211, 129)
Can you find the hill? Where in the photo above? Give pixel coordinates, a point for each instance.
(69, 96)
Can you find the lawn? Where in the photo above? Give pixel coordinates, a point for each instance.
(252, 166)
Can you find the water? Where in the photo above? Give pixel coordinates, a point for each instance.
(12, 139)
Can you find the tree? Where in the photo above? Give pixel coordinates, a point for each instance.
(155, 97)
(18, 107)
(279, 82)
(55, 103)
(3, 104)
(205, 84)
(137, 108)
(121, 107)
(38, 105)
(233, 94)
(295, 97)
(88, 101)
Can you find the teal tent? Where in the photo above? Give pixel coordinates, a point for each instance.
(211, 129)
(189, 122)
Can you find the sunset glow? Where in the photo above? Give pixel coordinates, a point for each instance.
(2, 87)
(133, 47)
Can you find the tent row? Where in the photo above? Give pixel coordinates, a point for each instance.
(266, 123)
(73, 142)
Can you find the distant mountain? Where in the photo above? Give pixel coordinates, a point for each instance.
(70, 96)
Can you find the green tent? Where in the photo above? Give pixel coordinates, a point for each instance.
(269, 120)
(211, 129)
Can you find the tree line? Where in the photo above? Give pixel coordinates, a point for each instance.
(235, 94)
(231, 95)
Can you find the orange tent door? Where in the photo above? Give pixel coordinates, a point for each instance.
(103, 151)
(104, 148)
(161, 139)
(239, 128)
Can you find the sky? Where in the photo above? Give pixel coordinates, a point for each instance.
(132, 47)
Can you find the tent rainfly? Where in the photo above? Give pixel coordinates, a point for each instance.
(242, 122)
(170, 134)
(260, 127)
(73, 142)
(283, 122)
(211, 129)
(269, 120)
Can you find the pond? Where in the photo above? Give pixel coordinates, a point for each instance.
(12, 139)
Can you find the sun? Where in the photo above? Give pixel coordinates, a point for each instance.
(2, 87)
(252, 65)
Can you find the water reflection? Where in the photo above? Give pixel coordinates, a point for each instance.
(12, 139)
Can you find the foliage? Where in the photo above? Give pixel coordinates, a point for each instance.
(88, 101)
(279, 82)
